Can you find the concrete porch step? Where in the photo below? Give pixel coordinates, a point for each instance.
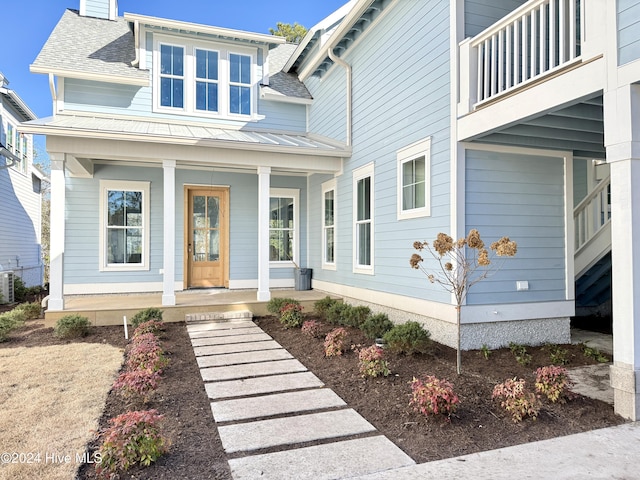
(194, 318)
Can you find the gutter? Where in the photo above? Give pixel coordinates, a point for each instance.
(349, 72)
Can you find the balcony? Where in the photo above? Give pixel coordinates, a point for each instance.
(548, 53)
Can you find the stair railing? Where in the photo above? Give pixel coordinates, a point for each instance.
(592, 213)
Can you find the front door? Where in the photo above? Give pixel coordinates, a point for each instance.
(207, 237)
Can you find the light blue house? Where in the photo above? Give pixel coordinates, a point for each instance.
(188, 155)
(20, 197)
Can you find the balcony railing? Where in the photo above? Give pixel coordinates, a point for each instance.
(534, 41)
(592, 213)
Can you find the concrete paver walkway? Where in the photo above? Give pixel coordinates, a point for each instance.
(263, 398)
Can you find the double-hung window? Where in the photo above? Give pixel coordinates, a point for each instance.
(207, 80)
(172, 76)
(283, 226)
(363, 219)
(124, 220)
(329, 225)
(413, 180)
(240, 84)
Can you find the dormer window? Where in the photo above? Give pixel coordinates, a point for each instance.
(199, 79)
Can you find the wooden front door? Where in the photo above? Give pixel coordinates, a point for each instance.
(207, 237)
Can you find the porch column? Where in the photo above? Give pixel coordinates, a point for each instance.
(264, 173)
(169, 233)
(57, 233)
(622, 139)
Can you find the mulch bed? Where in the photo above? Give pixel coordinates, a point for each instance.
(479, 424)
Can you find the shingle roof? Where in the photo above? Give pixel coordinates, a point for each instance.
(90, 45)
(280, 82)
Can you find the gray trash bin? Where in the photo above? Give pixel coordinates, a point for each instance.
(302, 278)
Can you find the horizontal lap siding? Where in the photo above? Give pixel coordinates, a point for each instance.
(481, 14)
(327, 114)
(401, 87)
(522, 197)
(97, 8)
(628, 31)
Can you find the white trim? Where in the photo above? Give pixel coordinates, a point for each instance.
(94, 77)
(117, 287)
(264, 185)
(293, 193)
(279, 97)
(168, 232)
(252, 284)
(359, 174)
(470, 314)
(411, 153)
(113, 9)
(327, 187)
(486, 147)
(125, 185)
(224, 51)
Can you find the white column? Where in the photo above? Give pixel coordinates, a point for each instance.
(169, 233)
(264, 295)
(622, 139)
(57, 233)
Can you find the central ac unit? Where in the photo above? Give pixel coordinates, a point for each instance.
(6, 287)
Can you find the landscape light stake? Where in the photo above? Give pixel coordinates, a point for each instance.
(461, 264)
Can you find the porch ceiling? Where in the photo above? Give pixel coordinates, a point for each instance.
(577, 127)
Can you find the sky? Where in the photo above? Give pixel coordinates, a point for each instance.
(28, 23)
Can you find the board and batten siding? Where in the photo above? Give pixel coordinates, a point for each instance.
(521, 197)
(401, 94)
(481, 14)
(628, 30)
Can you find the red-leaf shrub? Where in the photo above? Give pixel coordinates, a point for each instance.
(145, 352)
(553, 382)
(311, 328)
(335, 342)
(151, 326)
(140, 382)
(516, 400)
(372, 363)
(433, 396)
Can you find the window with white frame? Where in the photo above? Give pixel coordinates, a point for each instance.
(363, 188)
(329, 224)
(18, 143)
(124, 225)
(414, 179)
(283, 226)
(201, 79)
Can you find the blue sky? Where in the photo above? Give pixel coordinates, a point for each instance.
(26, 25)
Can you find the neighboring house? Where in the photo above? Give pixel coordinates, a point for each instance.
(20, 194)
(187, 155)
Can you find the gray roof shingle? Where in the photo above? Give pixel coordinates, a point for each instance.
(283, 83)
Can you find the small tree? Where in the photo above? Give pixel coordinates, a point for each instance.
(293, 33)
(461, 264)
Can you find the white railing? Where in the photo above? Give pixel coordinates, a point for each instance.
(592, 213)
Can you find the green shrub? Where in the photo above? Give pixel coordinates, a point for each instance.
(275, 305)
(9, 321)
(409, 338)
(291, 315)
(133, 438)
(376, 326)
(322, 306)
(594, 353)
(20, 290)
(433, 396)
(520, 352)
(145, 315)
(72, 326)
(558, 355)
(356, 316)
(337, 313)
(31, 310)
(485, 351)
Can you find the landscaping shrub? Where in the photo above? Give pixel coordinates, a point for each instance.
(133, 438)
(376, 326)
(322, 306)
(72, 326)
(311, 328)
(558, 355)
(520, 352)
(9, 321)
(485, 352)
(275, 305)
(145, 352)
(356, 316)
(140, 382)
(433, 396)
(151, 326)
(20, 290)
(145, 315)
(553, 382)
(335, 342)
(516, 400)
(409, 338)
(337, 313)
(372, 363)
(594, 353)
(291, 315)
(31, 310)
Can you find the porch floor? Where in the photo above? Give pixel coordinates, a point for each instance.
(109, 309)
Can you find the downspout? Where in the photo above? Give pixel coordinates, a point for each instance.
(348, 69)
(136, 40)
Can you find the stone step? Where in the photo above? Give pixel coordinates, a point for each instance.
(256, 337)
(226, 333)
(236, 348)
(245, 437)
(343, 459)
(243, 358)
(217, 326)
(217, 316)
(275, 404)
(214, 374)
(262, 385)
